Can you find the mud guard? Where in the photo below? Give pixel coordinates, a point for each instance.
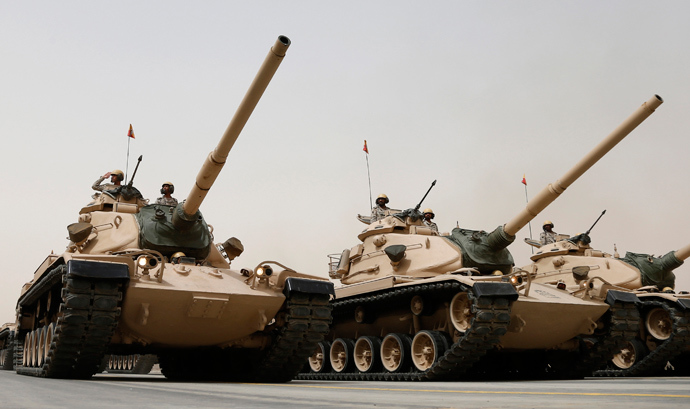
(97, 269)
(613, 296)
(504, 290)
(303, 285)
(684, 303)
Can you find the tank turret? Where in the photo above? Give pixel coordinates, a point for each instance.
(416, 305)
(139, 279)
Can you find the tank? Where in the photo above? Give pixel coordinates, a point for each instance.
(415, 305)
(6, 346)
(664, 331)
(149, 279)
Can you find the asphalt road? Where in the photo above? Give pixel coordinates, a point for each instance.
(154, 391)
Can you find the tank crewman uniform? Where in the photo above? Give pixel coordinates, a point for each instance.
(378, 212)
(428, 215)
(116, 177)
(167, 189)
(548, 236)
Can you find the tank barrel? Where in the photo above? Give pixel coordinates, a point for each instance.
(216, 159)
(553, 190)
(683, 253)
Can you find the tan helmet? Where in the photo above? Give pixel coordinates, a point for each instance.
(119, 174)
(546, 223)
(382, 196)
(172, 187)
(175, 258)
(428, 210)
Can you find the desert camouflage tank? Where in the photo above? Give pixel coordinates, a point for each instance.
(7, 346)
(415, 305)
(148, 279)
(664, 331)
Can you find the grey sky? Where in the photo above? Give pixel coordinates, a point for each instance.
(471, 93)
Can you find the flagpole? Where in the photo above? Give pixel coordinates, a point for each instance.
(127, 165)
(371, 204)
(524, 182)
(130, 136)
(366, 150)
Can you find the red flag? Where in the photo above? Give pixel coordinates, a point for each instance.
(131, 132)
(524, 181)
(365, 147)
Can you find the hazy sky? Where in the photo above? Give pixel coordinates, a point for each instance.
(473, 94)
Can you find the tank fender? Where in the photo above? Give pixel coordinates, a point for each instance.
(97, 269)
(613, 296)
(684, 303)
(504, 290)
(303, 285)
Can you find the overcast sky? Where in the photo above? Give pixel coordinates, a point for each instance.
(473, 94)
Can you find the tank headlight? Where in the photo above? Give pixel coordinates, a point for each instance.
(147, 262)
(264, 270)
(515, 280)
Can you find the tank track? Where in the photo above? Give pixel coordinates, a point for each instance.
(675, 345)
(306, 321)
(490, 322)
(88, 317)
(7, 355)
(623, 326)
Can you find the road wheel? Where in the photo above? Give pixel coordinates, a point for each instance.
(319, 361)
(427, 348)
(395, 352)
(341, 355)
(40, 347)
(631, 353)
(367, 354)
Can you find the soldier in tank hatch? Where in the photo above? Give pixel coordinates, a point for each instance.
(167, 189)
(428, 215)
(116, 178)
(548, 235)
(378, 212)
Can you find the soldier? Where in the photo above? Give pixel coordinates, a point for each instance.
(428, 215)
(378, 212)
(115, 176)
(548, 236)
(167, 189)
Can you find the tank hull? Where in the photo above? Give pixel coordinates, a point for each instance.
(475, 320)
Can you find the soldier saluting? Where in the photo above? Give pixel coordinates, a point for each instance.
(116, 177)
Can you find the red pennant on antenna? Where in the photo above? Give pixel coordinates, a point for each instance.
(365, 147)
(524, 181)
(131, 132)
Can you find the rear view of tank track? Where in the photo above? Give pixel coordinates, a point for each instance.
(129, 364)
(296, 334)
(669, 335)
(68, 339)
(445, 359)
